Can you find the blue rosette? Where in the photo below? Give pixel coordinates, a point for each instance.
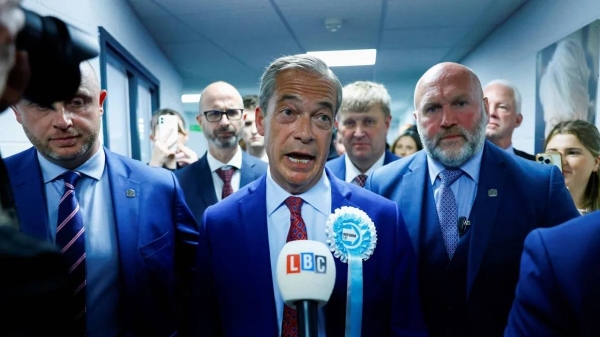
(352, 238)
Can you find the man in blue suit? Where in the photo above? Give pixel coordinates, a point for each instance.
(241, 237)
(225, 168)
(558, 293)
(363, 122)
(468, 206)
(129, 235)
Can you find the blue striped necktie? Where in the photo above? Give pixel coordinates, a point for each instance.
(70, 237)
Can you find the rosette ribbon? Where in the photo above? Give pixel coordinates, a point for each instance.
(352, 237)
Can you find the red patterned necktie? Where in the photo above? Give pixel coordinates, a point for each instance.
(289, 324)
(360, 180)
(70, 237)
(226, 175)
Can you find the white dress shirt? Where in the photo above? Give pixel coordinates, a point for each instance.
(315, 212)
(215, 164)
(352, 171)
(101, 247)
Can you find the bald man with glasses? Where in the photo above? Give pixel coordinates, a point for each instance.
(224, 167)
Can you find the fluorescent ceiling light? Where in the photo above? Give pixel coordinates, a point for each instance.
(190, 98)
(345, 58)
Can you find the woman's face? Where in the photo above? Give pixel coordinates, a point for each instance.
(577, 161)
(405, 146)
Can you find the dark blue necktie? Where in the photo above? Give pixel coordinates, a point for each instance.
(448, 210)
(70, 237)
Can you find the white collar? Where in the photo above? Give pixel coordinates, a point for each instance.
(215, 164)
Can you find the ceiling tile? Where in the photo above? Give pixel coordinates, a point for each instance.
(434, 13)
(146, 8)
(422, 37)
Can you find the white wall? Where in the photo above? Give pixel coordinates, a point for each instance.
(117, 17)
(510, 51)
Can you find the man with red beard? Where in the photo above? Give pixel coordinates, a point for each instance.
(225, 168)
(468, 206)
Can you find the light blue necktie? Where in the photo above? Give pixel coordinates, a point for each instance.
(448, 210)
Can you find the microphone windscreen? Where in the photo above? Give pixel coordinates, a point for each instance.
(305, 271)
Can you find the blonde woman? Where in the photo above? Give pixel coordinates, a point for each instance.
(578, 142)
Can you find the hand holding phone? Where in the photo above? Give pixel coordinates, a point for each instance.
(551, 158)
(168, 131)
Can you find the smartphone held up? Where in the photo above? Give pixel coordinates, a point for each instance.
(168, 131)
(550, 158)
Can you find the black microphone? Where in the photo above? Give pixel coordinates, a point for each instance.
(306, 277)
(463, 226)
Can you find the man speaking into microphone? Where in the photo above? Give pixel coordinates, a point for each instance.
(241, 237)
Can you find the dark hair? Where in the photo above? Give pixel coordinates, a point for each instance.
(250, 102)
(163, 112)
(412, 133)
(588, 135)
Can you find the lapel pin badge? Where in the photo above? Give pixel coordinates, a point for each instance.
(492, 192)
(130, 193)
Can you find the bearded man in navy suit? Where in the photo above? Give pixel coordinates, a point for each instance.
(468, 206)
(135, 237)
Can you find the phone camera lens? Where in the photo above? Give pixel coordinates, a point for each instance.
(547, 161)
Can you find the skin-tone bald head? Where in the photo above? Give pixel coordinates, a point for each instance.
(89, 76)
(446, 69)
(451, 113)
(68, 134)
(222, 136)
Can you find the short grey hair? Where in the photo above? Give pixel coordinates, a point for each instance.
(361, 96)
(303, 62)
(516, 93)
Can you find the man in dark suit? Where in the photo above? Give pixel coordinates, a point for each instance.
(363, 122)
(235, 285)
(225, 168)
(558, 293)
(33, 285)
(122, 227)
(468, 206)
(504, 106)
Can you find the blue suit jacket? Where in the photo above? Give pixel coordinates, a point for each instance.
(234, 287)
(156, 235)
(197, 182)
(528, 195)
(558, 293)
(338, 165)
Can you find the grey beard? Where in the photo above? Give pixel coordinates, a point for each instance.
(232, 142)
(47, 150)
(474, 143)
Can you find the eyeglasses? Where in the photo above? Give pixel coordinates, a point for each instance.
(216, 115)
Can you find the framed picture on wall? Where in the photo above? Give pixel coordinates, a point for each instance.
(567, 81)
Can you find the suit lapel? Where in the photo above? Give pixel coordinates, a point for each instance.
(30, 197)
(205, 184)
(389, 157)
(337, 303)
(257, 245)
(126, 212)
(337, 166)
(413, 185)
(247, 172)
(492, 177)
